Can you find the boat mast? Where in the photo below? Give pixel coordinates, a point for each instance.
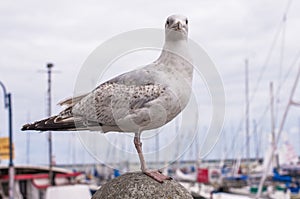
(290, 103)
(257, 141)
(157, 150)
(299, 133)
(275, 156)
(247, 116)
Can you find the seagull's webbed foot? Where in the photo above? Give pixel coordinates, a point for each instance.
(157, 175)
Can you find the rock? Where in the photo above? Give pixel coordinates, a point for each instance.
(138, 185)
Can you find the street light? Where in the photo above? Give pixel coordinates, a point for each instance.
(51, 176)
(7, 104)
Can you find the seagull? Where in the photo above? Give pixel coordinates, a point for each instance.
(143, 99)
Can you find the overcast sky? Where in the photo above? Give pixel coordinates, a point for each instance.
(65, 32)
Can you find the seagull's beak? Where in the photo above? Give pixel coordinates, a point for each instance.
(178, 26)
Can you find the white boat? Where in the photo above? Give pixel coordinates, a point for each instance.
(229, 196)
(33, 182)
(68, 191)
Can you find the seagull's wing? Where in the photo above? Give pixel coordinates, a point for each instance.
(124, 96)
(144, 76)
(71, 101)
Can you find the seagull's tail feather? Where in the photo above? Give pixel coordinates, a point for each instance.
(55, 123)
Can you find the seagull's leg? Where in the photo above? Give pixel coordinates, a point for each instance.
(156, 175)
(138, 147)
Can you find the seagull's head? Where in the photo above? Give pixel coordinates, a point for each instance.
(177, 24)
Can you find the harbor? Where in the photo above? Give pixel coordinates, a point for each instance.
(150, 100)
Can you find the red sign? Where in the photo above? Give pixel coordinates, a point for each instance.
(202, 175)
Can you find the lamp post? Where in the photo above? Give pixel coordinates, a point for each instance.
(51, 176)
(49, 72)
(7, 104)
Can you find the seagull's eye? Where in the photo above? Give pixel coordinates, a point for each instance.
(186, 21)
(168, 22)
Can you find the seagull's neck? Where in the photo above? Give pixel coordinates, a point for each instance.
(175, 57)
(174, 48)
